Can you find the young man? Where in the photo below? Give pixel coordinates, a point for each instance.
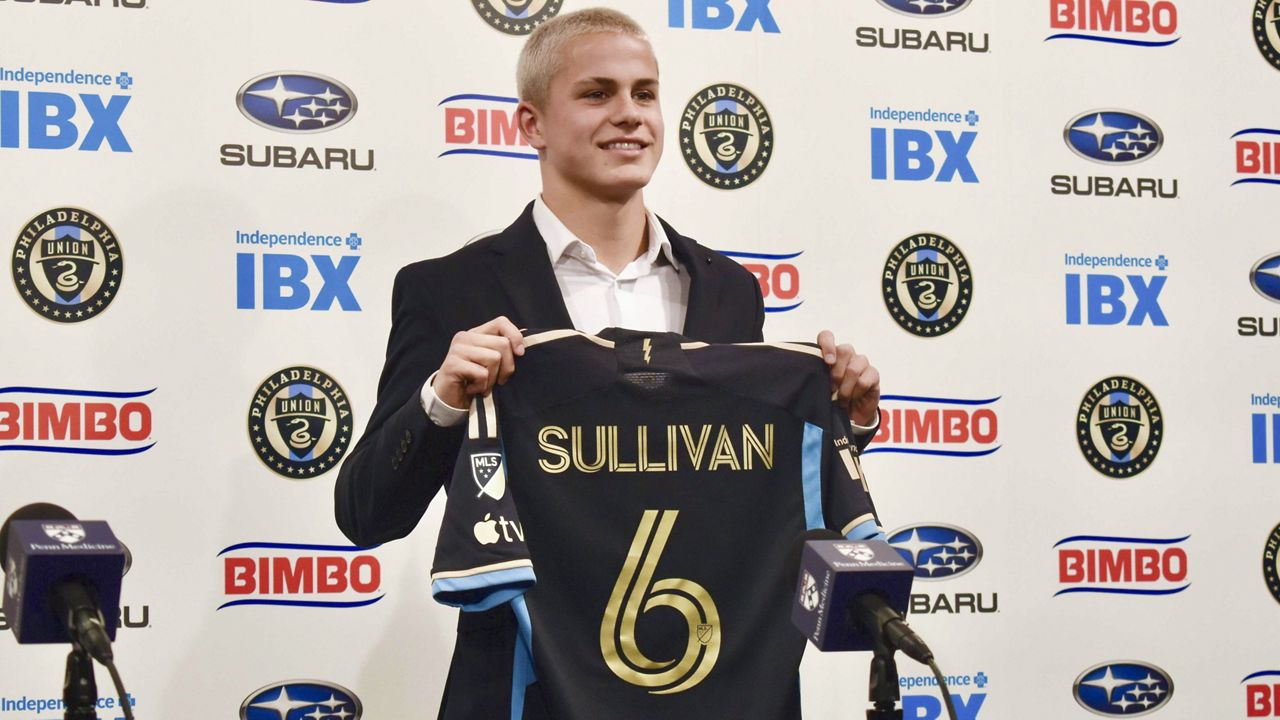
(586, 254)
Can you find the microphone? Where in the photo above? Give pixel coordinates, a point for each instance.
(61, 575)
(851, 595)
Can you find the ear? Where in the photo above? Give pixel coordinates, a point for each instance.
(529, 120)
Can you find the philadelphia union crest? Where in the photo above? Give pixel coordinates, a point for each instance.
(300, 422)
(516, 17)
(1266, 30)
(927, 285)
(726, 136)
(67, 265)
(1120, 427)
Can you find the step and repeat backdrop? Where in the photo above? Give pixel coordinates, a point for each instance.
(1050, 223)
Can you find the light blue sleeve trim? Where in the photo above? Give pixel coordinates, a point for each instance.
(483, 591)
(522, 671)
(866, 530)
(811, 476)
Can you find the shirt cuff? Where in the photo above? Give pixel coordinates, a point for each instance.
(440, 412)
(854, 427)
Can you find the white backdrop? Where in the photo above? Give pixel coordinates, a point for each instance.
(195, 487)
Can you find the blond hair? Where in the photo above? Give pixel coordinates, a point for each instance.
(541, 58)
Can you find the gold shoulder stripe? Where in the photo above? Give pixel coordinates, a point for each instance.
(858, 521)
(550, 335)
(471, 572)
(794, 347)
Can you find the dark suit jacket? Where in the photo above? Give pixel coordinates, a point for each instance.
(403, 459)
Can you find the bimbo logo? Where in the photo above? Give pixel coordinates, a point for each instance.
(1257, 156)
(947, 427)
(1122, 565)
(1140, 23)
(286, 574)
(1123, 688)
(1262, 694)
(302, 700)
(80, 422)
(483, 125)
(779, 278)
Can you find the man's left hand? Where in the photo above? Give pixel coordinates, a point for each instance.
(854, 381)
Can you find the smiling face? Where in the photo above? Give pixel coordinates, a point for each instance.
(599, 131)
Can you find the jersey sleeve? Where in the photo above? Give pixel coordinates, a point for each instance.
(848, 504)
(481, 558)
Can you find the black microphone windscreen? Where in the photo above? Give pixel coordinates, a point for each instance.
(34, 511)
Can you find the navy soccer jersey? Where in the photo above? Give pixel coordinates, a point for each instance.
(637, 499)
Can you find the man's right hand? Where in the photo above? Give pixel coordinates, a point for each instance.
(478, 359)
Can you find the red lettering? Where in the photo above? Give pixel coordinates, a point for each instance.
(1174, 564)
(331, 575)
(292, 576)
(503, 129)
(1147, 563)
(955, 426)
(786, 281)
(1247, 156)
(237, 576)
(1139, 16)
(55, 425)
(99, 421)
(1165, 17)
(9, 423)
(882, 435)
(366, 574)
(1062, 14)
(1070, 564)
(985, 426)
(459, 125)
(1258, 702)
(135, 421)
(762, 276)
(922, 426)
(1104, 15)
(1117, 566)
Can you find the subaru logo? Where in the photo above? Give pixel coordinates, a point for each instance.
(929, 8)
(1114, 137)
(298, 699)
(1123, 688)
(296, 102)
(1265, 277)
(938, 552)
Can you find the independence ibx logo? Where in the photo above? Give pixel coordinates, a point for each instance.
(315, 276)
(1116, 138)
(1264, 276)
(288, 574)
(947, 427)
(80, 119)
(300, 422)
(726, 136)
(937, 552)
(1122, 565)
(1129, 294)
(78, 422)
(778, 276)
(1120, 427)
(1123, 688)
(915, 39)
(1266, 428)
(296, 103)
(915, 154)
(302, 700)
(477, 124)
(1140, 23)
(516, 17)
(721, 15)
(1262, 694)
(922, 697)
(67, 265)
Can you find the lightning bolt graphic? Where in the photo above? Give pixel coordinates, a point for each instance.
(648, 346)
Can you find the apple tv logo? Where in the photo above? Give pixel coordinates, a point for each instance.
(486, 530)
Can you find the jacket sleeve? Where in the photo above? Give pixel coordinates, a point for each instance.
(403, 459)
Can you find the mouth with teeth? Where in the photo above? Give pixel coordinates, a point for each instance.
(624, 145)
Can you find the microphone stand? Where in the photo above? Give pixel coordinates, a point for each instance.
(884, 692)
(79, 689)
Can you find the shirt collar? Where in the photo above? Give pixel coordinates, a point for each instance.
(560, 238)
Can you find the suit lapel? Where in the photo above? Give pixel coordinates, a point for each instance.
(700, 319)
(524, 272)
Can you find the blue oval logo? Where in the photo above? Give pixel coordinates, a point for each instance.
(1123, 688)
(926, 8)
(1114, 137)
(301, 700)
(1265, 277)
(296, 102)
(938, 552)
